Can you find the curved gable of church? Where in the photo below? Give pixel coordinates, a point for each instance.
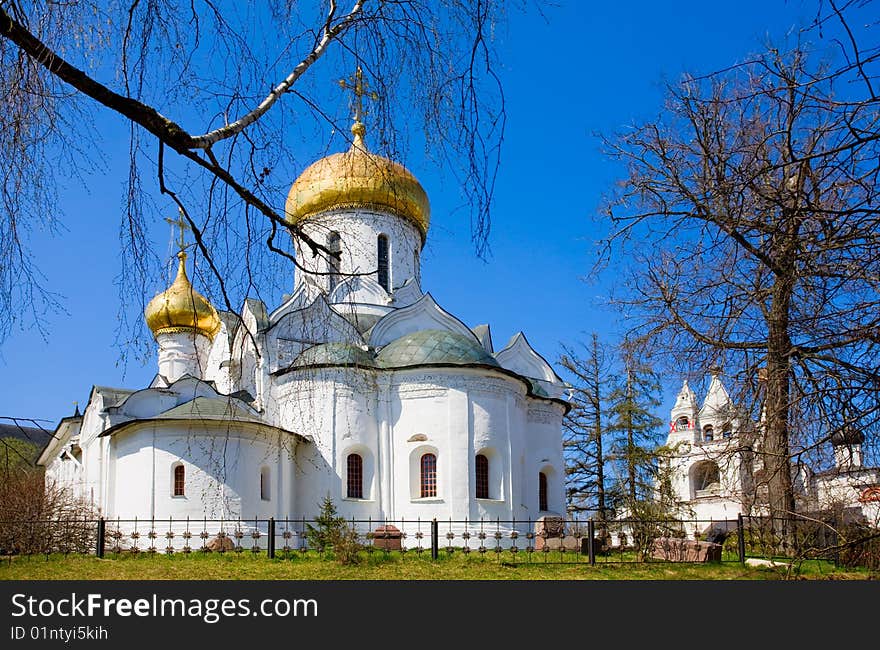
(359, 289)
(484, 335)
(302, 297)
(407, 294)
(520, 357)
(253, 313)
(424, 314)
(149, 402)
(252, 322)
(295, 331)
(68, 429)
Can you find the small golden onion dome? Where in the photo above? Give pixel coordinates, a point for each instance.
(181, 308)
(358, 178)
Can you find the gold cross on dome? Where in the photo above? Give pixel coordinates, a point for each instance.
(359, 89)
(181, 223)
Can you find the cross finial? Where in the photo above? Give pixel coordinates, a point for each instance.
(181, 223)
(359, 89)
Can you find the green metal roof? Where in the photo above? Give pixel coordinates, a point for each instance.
(334, 354)
(221, 409)
(536, 388)
(210, 408)
(433, 346)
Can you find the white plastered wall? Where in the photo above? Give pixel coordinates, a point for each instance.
(222, 465)
(359, 230)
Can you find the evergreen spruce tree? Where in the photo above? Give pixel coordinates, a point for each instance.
(634, 429)
(328, 525)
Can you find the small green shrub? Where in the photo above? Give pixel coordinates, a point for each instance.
(332, 533)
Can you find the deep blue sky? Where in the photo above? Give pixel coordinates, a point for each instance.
(583, 68)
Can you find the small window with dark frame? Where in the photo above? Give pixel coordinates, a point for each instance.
(334, 245)
(384, 271)
(355, 477)
(708, 433)
(179, 480)
(265, 485)
(542, 491)
(428, 477)
(481, 468)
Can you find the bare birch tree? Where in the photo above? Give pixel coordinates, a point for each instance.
(218, 98)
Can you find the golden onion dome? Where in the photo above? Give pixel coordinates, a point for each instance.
(181, 308)
(358, 178)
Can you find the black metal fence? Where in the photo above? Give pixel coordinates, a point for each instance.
(549, 540)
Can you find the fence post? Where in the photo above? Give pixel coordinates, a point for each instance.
(591, 536)
(435, 539)
(741, 537)
(271, 545)
(99, 550)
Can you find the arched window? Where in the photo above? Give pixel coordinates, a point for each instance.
(334, 245)
(682, 423)
(542, 491)
(265, 485)
(428, 476)
(355, 476)
(708, 433)
(481, 468)
(706, 478)
(416, 270)
(382, 264)
(179, 481)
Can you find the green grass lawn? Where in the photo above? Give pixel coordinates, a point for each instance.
(393, 566)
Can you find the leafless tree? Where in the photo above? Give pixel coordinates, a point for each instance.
(610, 434)
(757, 191)
(585, 440)
(218, 98)
(38, 516)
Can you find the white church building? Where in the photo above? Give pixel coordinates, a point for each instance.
(708, 468)
(716, 475)
(359, 386)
